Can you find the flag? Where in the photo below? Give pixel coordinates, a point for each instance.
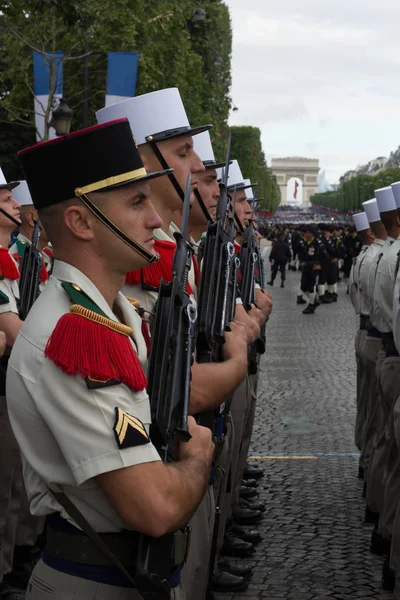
(121, 76)
(43, 64)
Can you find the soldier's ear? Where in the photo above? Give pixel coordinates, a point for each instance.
(30, 217)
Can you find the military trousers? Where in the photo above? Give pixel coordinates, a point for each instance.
(10, 490)
(248, 423)
(391, 495)
(379, 446)
(369, 353)
(239, 412)
(361, 406)
(194, 574)
(223, 484)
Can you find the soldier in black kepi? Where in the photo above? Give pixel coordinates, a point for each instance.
(279, 257)
(327, 254)
(76, 385)
(310, 260)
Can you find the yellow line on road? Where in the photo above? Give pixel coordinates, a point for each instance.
(283, 457)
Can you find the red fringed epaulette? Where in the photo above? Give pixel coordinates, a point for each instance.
(161, 269)
(44, 276)
(8, 267)
(95, 347)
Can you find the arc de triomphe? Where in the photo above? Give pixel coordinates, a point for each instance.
(296, 168)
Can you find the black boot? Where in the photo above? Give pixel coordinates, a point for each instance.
(252, 472)
(235, 546)
(282, 284)
(388, 577)
(371, 517)
(360, 473)
(309, 310)
(325, 299)
(252, 505)
(248, 535)
(379, 545)
(270, 282)
(247, 516)
(300, 300)
(227, 582)
(238, 570)
(249, 483)
(248, 492)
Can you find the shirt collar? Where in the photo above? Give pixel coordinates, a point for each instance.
(66, 272)
(159, 234)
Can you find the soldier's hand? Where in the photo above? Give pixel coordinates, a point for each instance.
(264, 302)
(3, 342)
(200, 444)
(252, 321)
(317, 268)
(235, 346)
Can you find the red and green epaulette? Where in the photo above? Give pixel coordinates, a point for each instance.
(19, 255)
(8, 268)
(150, 277)
(86, 342)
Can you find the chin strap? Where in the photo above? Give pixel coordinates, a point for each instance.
(116, 230)
(17, 223)
(173, 179)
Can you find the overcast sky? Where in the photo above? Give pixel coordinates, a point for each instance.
(320, 79)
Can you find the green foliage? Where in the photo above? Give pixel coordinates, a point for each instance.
(246, 148)
(352, 193)
(174, 51)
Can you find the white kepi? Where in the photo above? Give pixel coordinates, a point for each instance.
(385, 199)
(361, 221)
(22, 194)
(396, 192)
(203, 148)
(250, 196)
(153, 117)
(3, 182)
(372, 210)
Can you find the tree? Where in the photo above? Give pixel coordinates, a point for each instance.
(246, 148)
(174, 52)
(353, 192)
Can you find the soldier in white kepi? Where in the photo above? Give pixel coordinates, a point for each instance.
(362, 225)
(371, 345)
(24, 238)
(76, 385)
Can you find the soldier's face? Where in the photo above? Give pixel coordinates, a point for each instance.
(209, 191)
(243, 209)
(180, 156)
(131, 209)
(11, 206)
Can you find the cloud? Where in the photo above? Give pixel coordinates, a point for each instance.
(318, 77)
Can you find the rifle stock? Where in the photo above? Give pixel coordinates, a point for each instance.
(30, 272)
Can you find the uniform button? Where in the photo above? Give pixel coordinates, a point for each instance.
(76, 287)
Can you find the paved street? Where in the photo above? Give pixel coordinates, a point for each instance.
(315, 544)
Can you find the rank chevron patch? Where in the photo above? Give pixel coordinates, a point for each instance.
(129, 431)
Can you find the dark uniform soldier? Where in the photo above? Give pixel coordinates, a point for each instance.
(279, 257)
(353, 244)
(326, 256)
(310, 254)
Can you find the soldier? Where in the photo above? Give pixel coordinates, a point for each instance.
(310, 254)
(327, 255)
(365, 232)
(77, 375)
(28, 218)
(10, 323)
(280, 256)
(372, 342)
(352, 244)
(163, 111)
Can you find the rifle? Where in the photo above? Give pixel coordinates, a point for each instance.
(248, 262)
(217, 295)
(169, 389)
(30, 272)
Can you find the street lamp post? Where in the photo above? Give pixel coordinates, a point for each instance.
(62, 118)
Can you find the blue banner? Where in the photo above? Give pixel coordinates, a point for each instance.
(42, 64)
(122, 74)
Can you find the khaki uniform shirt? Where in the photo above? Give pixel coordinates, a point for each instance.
(365, 267)
(65, 430)
(148, 298)
(375, 316)
(384, 284)
(354, 280)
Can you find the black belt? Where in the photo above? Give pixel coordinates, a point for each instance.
(364, 319)
(69, 543)
(374, 333)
